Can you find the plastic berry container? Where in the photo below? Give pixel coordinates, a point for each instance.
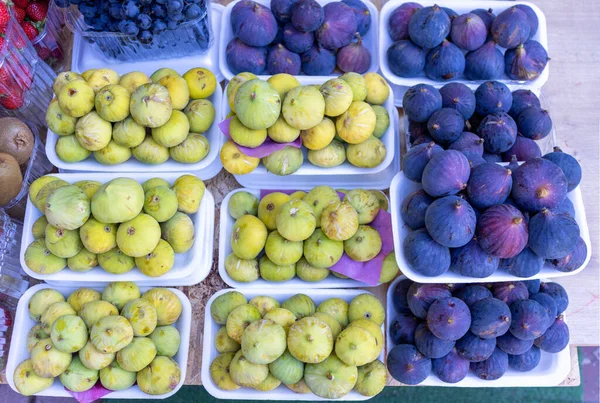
(49, 43)
(190, 38)
(25, 80)
(37, 166)
(13, 281)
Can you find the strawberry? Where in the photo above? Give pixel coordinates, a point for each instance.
(13, 99)
(4, 15)
(20, 3)
(1, 43)
(30, 30)
(19, 14)
(37, 11)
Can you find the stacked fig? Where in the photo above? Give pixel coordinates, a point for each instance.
(117, 225)
(341, 119)
(451, 329)
(329, 349)
(446, 46)
(304, 234)
(295, 36)
(491, 124)
(112, 338)
(473, 216)
(150, 118)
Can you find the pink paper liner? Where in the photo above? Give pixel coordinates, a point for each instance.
(265, 149)
(96, 392)
(366, 272)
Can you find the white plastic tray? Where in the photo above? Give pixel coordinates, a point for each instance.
(461, 7)
(225, 229)
(188, 266)
(208, 164)
(402, 187)
(226, 35)
(209, 352)
(310, 175)
(85, 57)
(23, 323)
(551, 371)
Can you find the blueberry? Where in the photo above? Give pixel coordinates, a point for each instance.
(129, 28)
(159, 11)
(130, 9)
(144, 21)
(192, 12)
(146, 2)
(145, 37)
(104, 6)
(115, 10)
(176, 17)
(172, 24)
(161, 1)
(174, 6)
(158, 27)
(113, 1)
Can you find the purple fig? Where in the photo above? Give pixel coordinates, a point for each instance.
(526, 62)
(487, 16)
(338, 28)
(417, 158)
(446, 125)
(282, 10)
(399, 18)
(485, 63)
(424, 255)
(429, 26)
(468, 31)
(573, 260)
(241, 57)
(354, 57)
(523, 99)
(447, 173)
(278, 37)
(450, 13)
(525, 264)
(420, 101)
(318, 61)
(552, 235)
(297, 41)
(253, 23)
(566, 207)
(537, 184)
(414, 207)
(450, 221)
(531, 17)
(493, 97)
(416, 129)
(470, 144)
(524, 149)
(489, 157)
(460, 97)
(281, 60)
(534, 123)
(406, 59)
(489, 184)
(568, 164)
(502, 231)
(472, 261)
(362, 14)
(307, 15)
(444, 62)
(499, 132)
(556, 337)
(424, 139)
(511, 28)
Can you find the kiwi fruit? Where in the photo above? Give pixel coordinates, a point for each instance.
(11, 178)
(16, 139)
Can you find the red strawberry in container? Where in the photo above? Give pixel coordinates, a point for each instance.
(30, 30)
(37, 11)
(12, 98)
(19, 14)
(20, 3)
(4, 16)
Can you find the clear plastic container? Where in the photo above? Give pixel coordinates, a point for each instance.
(192, 37)
(26, 81)
(49, 44)
(37, 166)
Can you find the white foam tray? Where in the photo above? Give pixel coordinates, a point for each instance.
(370, 40)
(23, 323)
(310, 175)
(208, 164)
(402, 187)
(551, 371)
(194, 265)
(84, 56)
(209, 352)
(461, 7)
(225, 230)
